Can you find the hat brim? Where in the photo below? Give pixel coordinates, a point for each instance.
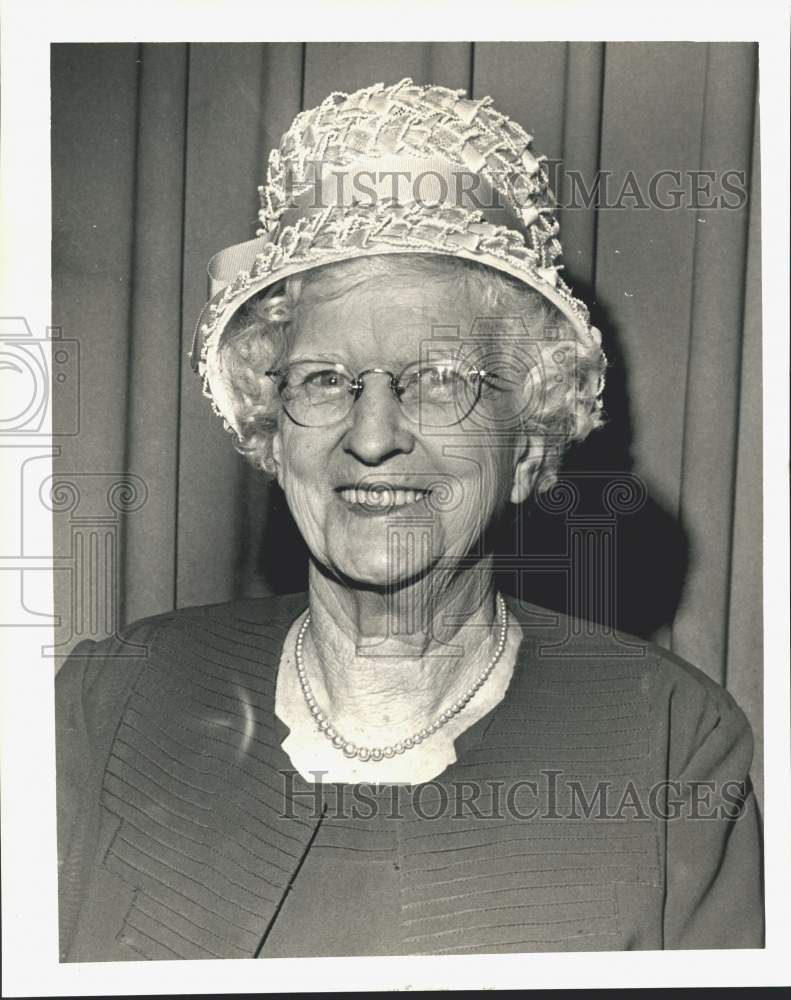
(232, 272)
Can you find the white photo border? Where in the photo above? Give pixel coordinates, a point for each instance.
(29, 890)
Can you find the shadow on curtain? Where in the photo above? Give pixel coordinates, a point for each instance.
(157, 151)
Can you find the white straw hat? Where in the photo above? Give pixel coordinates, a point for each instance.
(391, 169)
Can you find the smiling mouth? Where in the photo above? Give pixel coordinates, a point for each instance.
(378, 499)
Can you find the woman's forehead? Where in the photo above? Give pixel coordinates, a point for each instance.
(386, 316)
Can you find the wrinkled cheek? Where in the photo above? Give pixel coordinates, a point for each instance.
(480, 491)
(304, 505)
(300, 507)
(478, 513)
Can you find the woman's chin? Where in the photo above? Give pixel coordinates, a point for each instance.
(374, 569)
(368, 573)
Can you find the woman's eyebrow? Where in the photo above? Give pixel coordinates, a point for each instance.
(330, 359)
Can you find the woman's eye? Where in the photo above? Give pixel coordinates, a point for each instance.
(324, 380)
(439, 377)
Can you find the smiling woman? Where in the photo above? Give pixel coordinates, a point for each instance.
(406, 367)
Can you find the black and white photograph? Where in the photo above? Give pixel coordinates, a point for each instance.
(391, 508)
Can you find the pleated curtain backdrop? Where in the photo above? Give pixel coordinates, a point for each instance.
(157, 150)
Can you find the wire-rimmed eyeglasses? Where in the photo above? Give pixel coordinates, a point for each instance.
(318, 393)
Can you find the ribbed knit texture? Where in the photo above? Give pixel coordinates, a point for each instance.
(185, 832)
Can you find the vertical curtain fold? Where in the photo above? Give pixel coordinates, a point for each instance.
(152, 425)
(652, 107)
(580, 151)
(223, 164)
(714, 364)
(745, 663)
(254, 572)
(94, 146)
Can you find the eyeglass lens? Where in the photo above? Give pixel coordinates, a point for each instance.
(438, 394)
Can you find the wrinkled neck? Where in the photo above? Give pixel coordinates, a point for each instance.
(387, 661)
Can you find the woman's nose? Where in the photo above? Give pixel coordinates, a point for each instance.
(378, 427)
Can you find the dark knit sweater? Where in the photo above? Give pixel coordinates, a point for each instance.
(184, 831)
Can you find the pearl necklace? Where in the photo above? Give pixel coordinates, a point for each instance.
(379, 753)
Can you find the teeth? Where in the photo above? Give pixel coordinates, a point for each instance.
(384, 498)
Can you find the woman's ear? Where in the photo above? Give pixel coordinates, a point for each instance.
(527, 469)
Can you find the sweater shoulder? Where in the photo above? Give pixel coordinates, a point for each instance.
(97, 677)
(134, 640)
(274, 610)
(574, 655)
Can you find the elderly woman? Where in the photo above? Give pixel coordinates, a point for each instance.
(401, 761)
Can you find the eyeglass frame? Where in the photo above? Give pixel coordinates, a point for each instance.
(357, 386)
